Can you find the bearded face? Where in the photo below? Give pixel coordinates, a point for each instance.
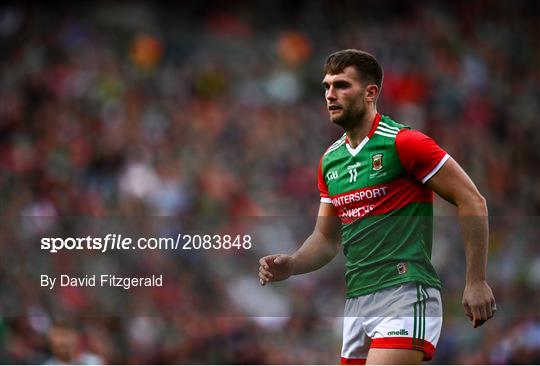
(345, 98)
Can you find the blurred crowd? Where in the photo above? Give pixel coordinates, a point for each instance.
(209, 111)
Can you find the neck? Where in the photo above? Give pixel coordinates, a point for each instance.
(361, 130)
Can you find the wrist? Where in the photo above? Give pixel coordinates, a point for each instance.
(294, 265)
(474, 281)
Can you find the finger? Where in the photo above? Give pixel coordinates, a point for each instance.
(263, 280)
(479, 323)
(468, 311)
(488, 311)
(266, 273)
(263, 263)
(483, 313)
(475, 316)
(479, 316)
(279, 259)
(264, 277)
(470, 314)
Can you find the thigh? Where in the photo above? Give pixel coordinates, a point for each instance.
(355, 340)
(388, 356)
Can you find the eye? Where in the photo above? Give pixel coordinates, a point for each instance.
(342, 84)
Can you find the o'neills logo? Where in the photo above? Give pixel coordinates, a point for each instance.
(376, 161)
(398, 332)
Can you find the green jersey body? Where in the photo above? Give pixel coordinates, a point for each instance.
(386, 210)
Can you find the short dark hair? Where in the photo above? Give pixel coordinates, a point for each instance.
(368, 68)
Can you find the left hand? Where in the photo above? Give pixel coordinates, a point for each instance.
(478, 302)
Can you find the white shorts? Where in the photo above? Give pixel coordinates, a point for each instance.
(407, 316)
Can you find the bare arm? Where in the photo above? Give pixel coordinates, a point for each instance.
(322, 245)
(455, 186)
(318, 249)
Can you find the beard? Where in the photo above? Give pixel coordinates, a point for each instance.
(349, 118)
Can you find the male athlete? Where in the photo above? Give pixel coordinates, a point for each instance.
(376, 185)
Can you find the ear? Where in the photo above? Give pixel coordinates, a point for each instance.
(371, 93)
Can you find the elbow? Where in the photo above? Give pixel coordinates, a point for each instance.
(475, 204)
(481, 203)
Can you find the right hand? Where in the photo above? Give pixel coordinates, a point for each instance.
(275, 267)
(478, 302)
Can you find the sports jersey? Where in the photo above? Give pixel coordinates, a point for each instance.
(386, 211)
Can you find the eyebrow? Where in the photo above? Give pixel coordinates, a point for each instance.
(338, 81)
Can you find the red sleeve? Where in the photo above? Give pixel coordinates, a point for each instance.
(323, 188)
(419, 154)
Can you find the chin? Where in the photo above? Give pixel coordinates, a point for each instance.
(343, 122)
(337, 119)
(340, 122)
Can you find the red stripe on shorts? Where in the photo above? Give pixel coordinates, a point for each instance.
(405, 343)
(353, 361)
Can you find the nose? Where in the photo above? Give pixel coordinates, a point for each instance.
(330, 94)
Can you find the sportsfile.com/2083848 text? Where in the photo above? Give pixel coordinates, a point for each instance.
(121, 242)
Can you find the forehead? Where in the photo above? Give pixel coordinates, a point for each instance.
(349, 74)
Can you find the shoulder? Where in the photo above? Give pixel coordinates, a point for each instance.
(387, 127)
(335, 146)
(387, 121)
(412, 139)
(419, 154)
(408, 134)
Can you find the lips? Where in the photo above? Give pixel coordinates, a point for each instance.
(333, 107)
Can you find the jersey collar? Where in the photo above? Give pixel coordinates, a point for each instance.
(357, 149)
